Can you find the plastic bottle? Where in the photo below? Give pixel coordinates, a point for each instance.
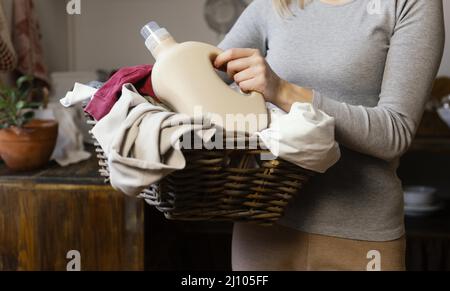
(185, 79)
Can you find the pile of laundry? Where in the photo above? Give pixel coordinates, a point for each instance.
(141, 136)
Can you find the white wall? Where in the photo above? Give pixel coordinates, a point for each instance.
(53, 21)
(106, 34)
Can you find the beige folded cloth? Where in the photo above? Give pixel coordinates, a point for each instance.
(140, 140)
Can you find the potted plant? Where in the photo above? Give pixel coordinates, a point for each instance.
(25, 143)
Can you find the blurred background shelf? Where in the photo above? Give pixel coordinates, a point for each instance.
(431, 144)
(428, 163)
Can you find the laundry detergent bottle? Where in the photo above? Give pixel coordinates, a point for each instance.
(185, 79)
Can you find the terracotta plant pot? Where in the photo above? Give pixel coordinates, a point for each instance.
(30, 147)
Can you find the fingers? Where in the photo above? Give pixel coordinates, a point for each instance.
(245, 75)
(233, 54)
(238, 65)
(250, 85)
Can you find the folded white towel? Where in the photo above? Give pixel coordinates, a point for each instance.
(79, 94)
(304, 136)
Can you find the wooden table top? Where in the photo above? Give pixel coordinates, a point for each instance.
(84, 173)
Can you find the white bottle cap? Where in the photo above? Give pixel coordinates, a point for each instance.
(154, 35)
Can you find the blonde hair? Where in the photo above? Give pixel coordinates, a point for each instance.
(282, 6)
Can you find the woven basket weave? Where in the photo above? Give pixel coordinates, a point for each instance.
(223, 185)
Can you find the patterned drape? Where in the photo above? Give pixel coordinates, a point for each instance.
(8, 58)
(27, 41)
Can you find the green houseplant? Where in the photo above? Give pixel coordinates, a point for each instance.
(25, 143)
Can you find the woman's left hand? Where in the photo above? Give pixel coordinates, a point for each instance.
(249, 69)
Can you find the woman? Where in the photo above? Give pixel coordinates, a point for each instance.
(370, 64)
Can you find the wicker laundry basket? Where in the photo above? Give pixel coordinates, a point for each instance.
(223, 185)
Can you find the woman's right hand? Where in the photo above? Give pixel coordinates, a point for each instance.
(250, 70)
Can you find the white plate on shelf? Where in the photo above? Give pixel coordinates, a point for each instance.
(423, 210)
(420, 195)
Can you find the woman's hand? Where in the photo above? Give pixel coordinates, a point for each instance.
(250, 70)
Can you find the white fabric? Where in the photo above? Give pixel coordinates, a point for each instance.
(305, 137)
(139, 139)
(62, 81)
(70, 144)
(79, 94)
(69, 147)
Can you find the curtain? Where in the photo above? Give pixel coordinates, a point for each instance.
(27, 41)
(8, 58)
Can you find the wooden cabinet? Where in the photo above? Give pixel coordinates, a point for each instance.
(46, 214)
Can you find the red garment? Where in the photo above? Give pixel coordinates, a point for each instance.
(107, 96)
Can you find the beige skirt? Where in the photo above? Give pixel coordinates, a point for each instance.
(277, 248)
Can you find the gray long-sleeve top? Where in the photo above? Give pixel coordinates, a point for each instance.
(371, 64)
